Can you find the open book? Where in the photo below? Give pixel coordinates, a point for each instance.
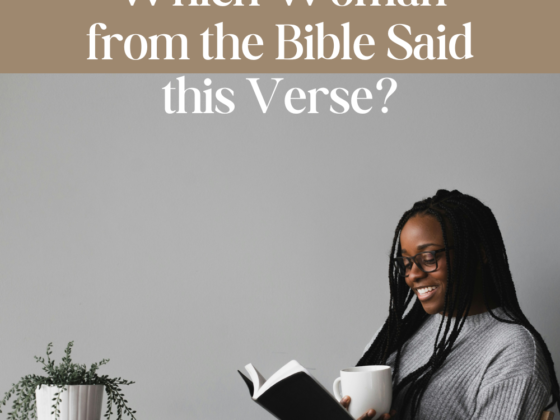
(293, 394)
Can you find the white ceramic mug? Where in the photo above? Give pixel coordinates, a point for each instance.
(368, 387)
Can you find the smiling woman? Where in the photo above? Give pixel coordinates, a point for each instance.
(426, 272)
(463, 349)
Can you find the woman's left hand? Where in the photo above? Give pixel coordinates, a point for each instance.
(370, 413)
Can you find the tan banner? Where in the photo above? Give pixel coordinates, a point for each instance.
(272, 36)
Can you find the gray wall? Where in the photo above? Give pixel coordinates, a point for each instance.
(184, 246)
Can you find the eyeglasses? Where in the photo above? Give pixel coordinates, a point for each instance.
(426, 261)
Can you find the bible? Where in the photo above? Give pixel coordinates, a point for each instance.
(292, 393)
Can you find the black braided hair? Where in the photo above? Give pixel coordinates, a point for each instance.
(476, 237)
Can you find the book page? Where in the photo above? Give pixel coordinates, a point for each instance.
(256, 377)
(287, 370)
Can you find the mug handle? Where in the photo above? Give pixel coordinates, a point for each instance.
(336, 391)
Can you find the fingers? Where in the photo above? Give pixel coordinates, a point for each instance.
(371, 413)
(368, 415)
(388, 416)
(345, 401)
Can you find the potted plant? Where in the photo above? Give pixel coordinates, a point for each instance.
(69, 391)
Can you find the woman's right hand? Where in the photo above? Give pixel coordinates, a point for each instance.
(370, 413)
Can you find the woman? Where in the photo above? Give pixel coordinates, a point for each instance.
(486, 361)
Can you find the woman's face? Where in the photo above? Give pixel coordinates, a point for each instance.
(423, 233)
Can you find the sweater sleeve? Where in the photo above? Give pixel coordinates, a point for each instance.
(516, 398)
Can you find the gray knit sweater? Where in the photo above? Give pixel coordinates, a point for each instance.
(495, 371)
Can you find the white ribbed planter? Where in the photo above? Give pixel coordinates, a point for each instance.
(79, 402)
